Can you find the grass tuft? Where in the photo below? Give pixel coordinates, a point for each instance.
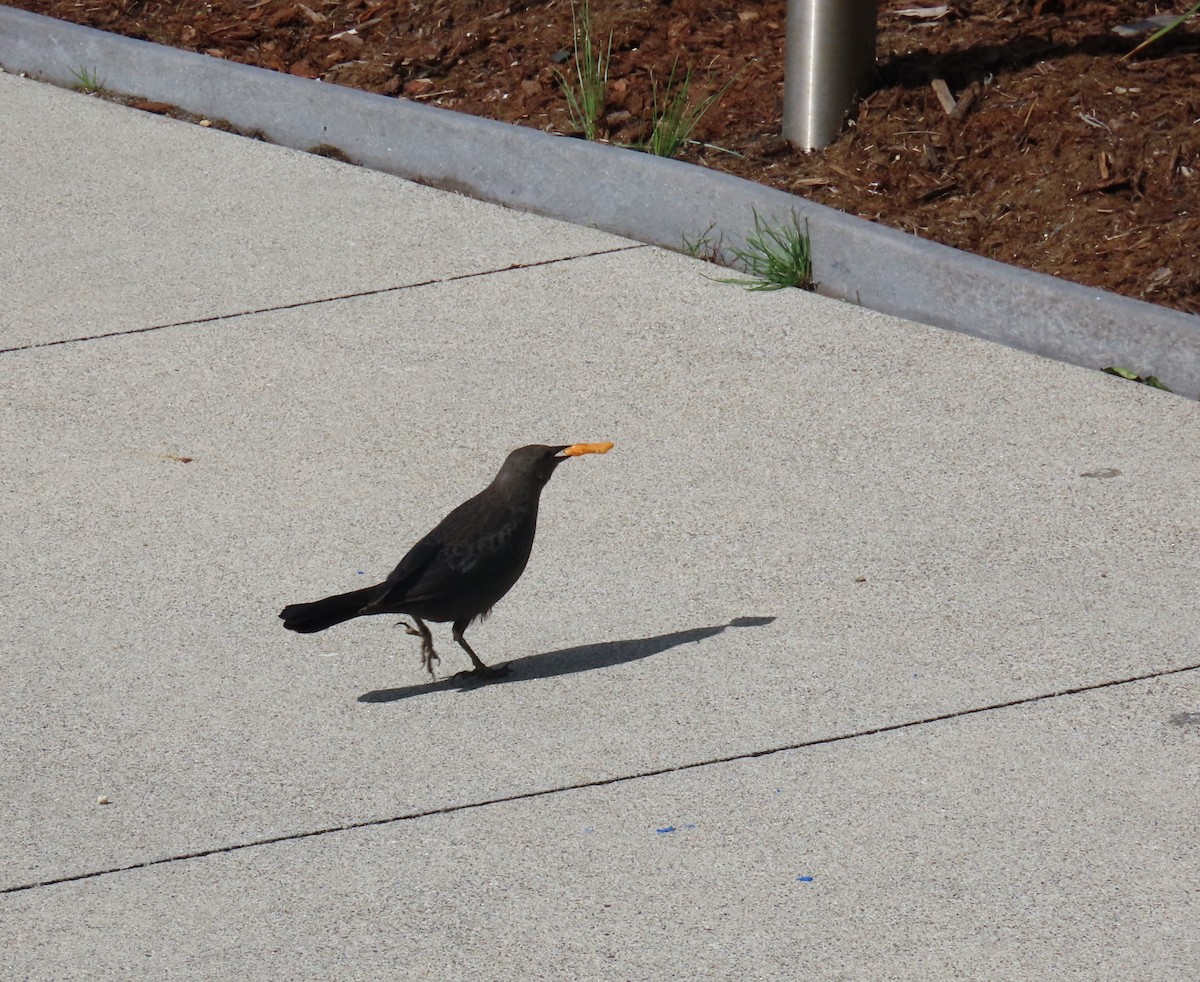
(775, 256)
(703, 246)
(89, 80)
(587, 93)
(675, 118)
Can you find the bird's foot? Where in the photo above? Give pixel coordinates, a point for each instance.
(482, 673)
(428, 655)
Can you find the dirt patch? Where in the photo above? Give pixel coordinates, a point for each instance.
(1066, 159)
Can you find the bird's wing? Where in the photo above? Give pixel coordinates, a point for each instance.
(471, 547)
(409, 571)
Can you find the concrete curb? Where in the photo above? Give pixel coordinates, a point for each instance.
(642, 197)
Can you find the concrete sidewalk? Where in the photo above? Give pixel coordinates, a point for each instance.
(870, 652)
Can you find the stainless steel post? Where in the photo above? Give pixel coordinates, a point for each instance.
(830, 54)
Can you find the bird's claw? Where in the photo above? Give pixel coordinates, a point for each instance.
(428, 655)
(482, 673)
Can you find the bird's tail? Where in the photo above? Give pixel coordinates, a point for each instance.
(320, 614)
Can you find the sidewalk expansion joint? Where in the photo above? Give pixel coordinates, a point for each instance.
(214, 318)
(605, 781)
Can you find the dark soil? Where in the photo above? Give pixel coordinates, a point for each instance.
(1067, 159)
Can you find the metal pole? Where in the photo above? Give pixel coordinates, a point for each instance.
(830, 54)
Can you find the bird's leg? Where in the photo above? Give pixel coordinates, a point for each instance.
(481, 670)
(428, 655)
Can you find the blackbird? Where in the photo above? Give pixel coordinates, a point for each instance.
(460, 569)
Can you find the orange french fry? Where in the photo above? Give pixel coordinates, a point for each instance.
(578, 449)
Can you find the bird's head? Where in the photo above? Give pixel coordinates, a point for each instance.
(536, 463)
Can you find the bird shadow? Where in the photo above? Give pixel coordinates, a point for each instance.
(567, 661)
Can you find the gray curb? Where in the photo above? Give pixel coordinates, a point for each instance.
(631, 194)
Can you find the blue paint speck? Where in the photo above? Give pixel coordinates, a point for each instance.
(805, 879)
(665, 831)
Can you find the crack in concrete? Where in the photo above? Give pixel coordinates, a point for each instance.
(213, 318)
(603, 782)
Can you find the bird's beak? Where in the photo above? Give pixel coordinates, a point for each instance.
(579, 449)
